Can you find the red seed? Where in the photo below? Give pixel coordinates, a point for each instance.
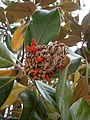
(34, 49)
(39, 59)
(47, 78)
(63, 65)
(34, 43)
(36, 71)
(28, 48)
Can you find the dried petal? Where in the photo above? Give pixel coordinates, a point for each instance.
(47, 78)
(34, 43)
(39, 59)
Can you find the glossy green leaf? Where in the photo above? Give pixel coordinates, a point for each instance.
(72, 54)
(80, 111)
(13, 29)
(75, 61)
(33, 106)
(8, 41)
(6, 84)
(44, 25)
(26, 34)
(89, 69)
(56, 74)
(74, 65)
(13, 96)
(47, 92)
(6, 58)
(50, 107)
(54, 116)
(63, 97)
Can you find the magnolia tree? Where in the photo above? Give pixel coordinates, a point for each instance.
(40, 77)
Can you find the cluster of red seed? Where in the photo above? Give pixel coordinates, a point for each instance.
(33, 49)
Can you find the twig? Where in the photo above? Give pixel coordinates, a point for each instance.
(22, 54)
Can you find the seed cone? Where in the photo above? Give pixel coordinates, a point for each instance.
(46, 61)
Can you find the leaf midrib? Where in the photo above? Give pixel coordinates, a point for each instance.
(45, 27)
(12, 79)
(45, 92)
(11, 62)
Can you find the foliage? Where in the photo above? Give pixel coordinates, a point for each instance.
(66, 97)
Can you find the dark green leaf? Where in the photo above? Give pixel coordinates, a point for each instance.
(75, 61)
(74, 65)
(68, 93)
(12, 30)
(80, 111)
(8, 41)
(63, 97)
(26, 34)
(33, 106)
(50, 107)
(6, 58)
(56, 74)
(89, 69)
(6, 85)
(13, 96)
(44, 25)
(47, 92)
(54, 116)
